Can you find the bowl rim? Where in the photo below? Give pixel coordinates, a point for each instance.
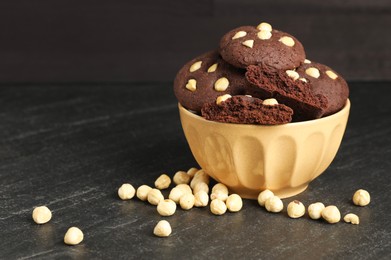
(344, 110)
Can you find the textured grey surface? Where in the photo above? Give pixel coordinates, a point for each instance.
(71, 146)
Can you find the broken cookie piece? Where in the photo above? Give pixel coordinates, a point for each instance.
(247, 110)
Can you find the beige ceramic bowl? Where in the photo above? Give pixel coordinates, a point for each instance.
(251, 158)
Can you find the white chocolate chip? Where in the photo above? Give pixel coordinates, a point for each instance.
(126, 191)
(73, 236)
(307, 61)
(239, 34)
(264, 35)
(288, 41)
(195, 66)
(213, 68)
(41, 215)
(270, 102)
(313, 72)
(248, 43)
(264, 27)
(331, 74)
(295, 209)
(221, 84)
(361, 198)
(303, 79)
(292, 74)
(191, 85)
(162, 229)
(315, 210)
(352, 218)
(331, 214)
(222, 98)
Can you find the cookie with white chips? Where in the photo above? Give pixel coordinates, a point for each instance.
(326, 82)
(252, 45)
(203, 79)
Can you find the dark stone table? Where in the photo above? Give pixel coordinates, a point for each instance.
(71, 146)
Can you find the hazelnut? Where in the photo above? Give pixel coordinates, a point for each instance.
(126, 191)
(142, 192)
(201, 186)
(295, 209)
(166, 207)
(163, 182)
(42, 215)
(361, 198)
(181, 177)
(199, 176)
(274, 204)
(315, 210)
(162, 229)
(331, 214)
(234, 203)
(192, 171)
(187, 201)
(155, 196)
(263, 196)
(218, 207)
(201, 199)
(352, 218)
(73, 236)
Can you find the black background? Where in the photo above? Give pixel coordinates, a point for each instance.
(120, 41)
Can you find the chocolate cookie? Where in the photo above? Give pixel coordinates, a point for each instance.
(327, 82)
(249, 45)
(247, 110)
(206, 77)
(287, 87)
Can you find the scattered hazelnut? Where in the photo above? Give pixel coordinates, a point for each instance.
(264, 35)
(163, 182)
(234, 203)
(219, 191)
(126, 191)
(288, 41)
(221, 84)
(239, 34)
(331, 214)
(274, 204)
(201, 186)
(178, 191)
(218, 207)
(295, 209)
(199, 176)
(222, 98)
(264, 27)
(192, 171)
(191, 85)
(201, 199)
(162, 229)
(292, 74)
(248, 43)
(142, 192)
(264, 196)
(270, 102)
(212, 68)
(315, 210)
(166, 207)
(313, 72)
(73, 236)
(361, 198)
(181, 177)
(187, 201)
(155, 196)
(195, 66)
(41, 215)
(184, 187)
(352, 218)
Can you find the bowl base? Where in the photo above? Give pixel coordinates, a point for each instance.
(282, 194)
